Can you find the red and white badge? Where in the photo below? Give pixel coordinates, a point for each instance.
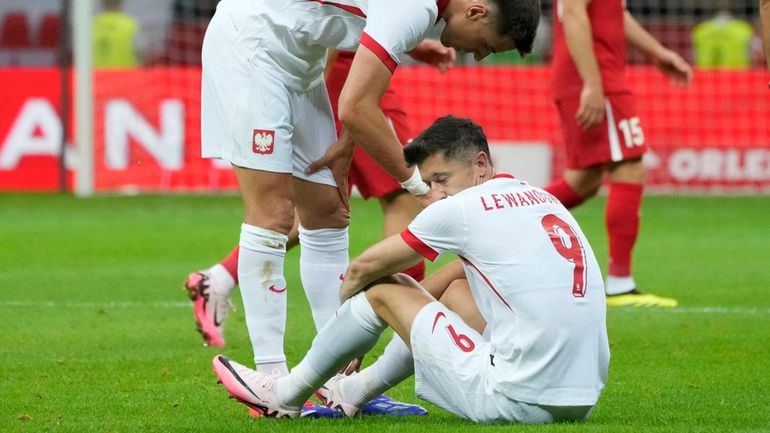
(262, 141)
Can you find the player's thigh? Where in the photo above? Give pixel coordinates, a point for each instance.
(253, 113)
(617, 138)
(458, 298)
(451, 363)
(319, 205)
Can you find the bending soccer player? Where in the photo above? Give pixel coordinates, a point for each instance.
(528, 280)
(211, 289)
(603, 135)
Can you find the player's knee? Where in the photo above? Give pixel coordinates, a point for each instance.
(279, 216)
(386, 290)
(630, 171)
(455, 294)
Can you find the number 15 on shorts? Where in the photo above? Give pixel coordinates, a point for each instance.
(632, 132)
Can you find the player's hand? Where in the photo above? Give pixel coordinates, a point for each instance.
(337, 158)
(674, 67)
(591, 110)
(432, 52)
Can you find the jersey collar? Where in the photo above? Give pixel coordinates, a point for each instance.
(503, 175)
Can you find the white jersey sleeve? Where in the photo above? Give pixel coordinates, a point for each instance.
(395, 27)
(439, 228)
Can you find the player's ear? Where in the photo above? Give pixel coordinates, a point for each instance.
(476, 11)
(481, 161)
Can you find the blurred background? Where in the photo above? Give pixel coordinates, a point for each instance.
(712, 137)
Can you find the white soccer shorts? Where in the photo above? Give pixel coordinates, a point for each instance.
(452, 364)
(252, 119)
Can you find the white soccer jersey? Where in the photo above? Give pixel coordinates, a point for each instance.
(293, 35)
(536, 282)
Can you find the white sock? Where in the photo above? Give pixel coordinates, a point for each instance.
(617, 285)
(353, 331)
(222, 283)
(395, 365)
(323, 259)
(263, 288)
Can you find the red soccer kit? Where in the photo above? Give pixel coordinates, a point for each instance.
(619, 136)
(370, 179)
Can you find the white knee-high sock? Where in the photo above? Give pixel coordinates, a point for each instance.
(263, 289)
(323, 261)
(395, 365)
(351, 332)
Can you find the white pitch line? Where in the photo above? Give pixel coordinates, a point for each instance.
(187, 304)
(699, 310)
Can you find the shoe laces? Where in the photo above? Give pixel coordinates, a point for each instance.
(221, 304)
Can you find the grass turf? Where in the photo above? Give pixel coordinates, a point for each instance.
(98, 335)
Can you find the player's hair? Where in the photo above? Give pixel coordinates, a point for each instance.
(454, 137)
(518, 20)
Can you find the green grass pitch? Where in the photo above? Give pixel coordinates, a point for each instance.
(97, 335)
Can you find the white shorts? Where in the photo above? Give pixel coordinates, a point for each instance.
(252, 119)
(451, 368)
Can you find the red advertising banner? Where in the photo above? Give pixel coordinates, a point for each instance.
(713, 135)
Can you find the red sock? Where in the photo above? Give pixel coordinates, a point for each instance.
(622, 218)
(417, 271)
(566, 195)
(231, 263)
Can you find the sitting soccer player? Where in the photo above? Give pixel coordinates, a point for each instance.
(528, 281)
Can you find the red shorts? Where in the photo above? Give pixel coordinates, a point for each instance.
(619, 137)
(365, 174)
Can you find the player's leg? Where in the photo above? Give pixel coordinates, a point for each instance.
(622, 217)
(210, 290)
(458, 298)
(623, 211)
(260, 266)
(324, 219)
(323, 236)
(396, 362)
(239, 127)
(586, 152)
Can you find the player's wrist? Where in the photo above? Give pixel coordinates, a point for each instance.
(415, 184)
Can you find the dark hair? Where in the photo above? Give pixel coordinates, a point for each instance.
(518, 20)
(454, 137)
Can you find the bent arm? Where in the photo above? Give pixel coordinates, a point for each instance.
(360, 113)
(639, 38)
(385, 258)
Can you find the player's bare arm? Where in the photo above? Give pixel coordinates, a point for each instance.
(578, 33)
(360, 114)
(383, 259)
(764, 13)
(669, 62)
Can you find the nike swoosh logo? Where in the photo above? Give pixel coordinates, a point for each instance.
(217, 322)
(273, 289)
(439, 315)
